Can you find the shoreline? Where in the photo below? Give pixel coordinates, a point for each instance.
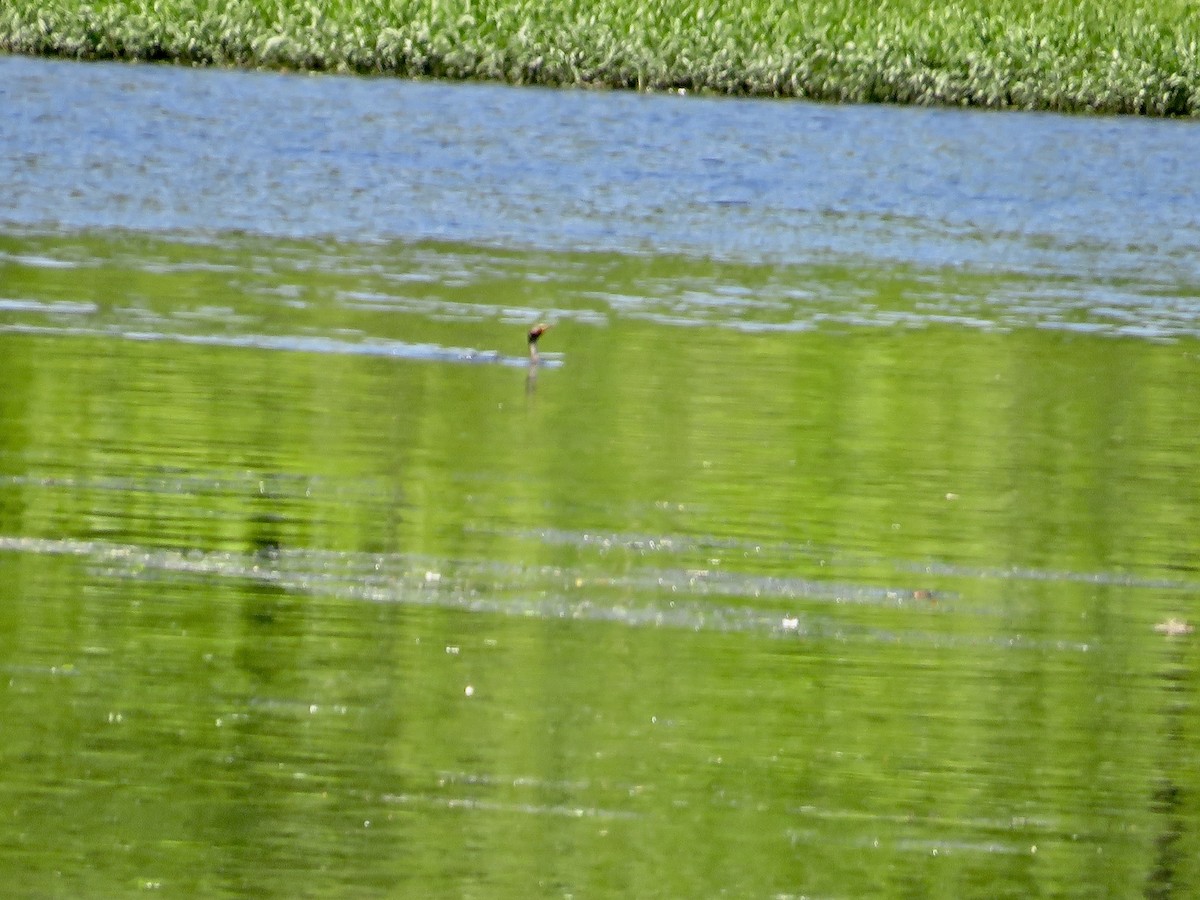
(1118, 62)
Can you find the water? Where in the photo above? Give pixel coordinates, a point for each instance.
(843, 544)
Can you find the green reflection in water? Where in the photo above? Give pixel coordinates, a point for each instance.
(808, 582)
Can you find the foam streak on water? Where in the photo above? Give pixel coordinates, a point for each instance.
(781, 607)
(299, 344)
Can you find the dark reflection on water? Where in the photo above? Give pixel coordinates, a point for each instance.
(793, 570)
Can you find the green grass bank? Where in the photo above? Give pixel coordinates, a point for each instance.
(1122, 56)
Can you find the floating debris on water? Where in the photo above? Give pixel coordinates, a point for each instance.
(1174, 627)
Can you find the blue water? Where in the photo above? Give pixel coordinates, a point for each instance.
(1111, 205)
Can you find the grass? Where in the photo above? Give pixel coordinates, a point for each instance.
(1119, 57)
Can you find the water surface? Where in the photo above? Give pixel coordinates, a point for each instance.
(843, 544)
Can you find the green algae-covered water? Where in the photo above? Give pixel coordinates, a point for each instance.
(867, 569)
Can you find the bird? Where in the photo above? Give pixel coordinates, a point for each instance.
(534, 333)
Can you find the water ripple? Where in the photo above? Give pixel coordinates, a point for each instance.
(551, 593)
(299, 344)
